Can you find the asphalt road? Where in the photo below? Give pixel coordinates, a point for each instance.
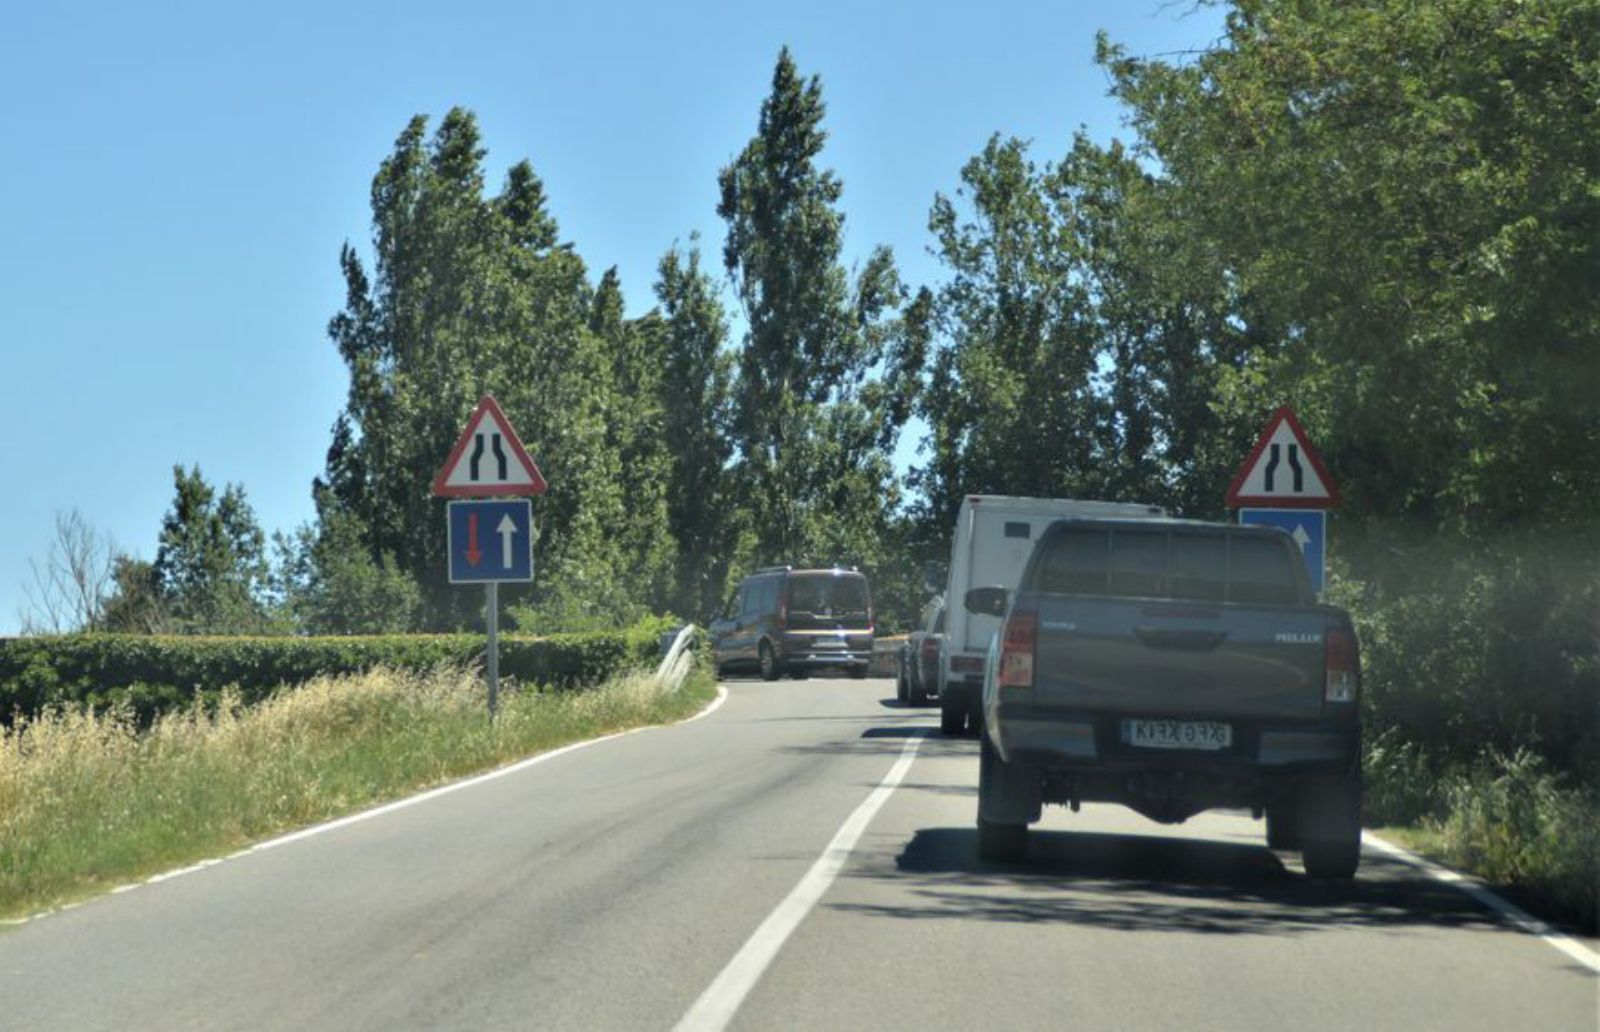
(681, 873)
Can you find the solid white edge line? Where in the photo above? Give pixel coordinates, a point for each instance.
(1506, 909)
(379, 811)
(717, 1005)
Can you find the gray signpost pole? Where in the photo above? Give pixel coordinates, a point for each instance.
(466, 474)
(491, 592)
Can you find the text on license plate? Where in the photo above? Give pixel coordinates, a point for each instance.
(1178, 734)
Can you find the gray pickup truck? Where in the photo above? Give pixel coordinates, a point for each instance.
(1173, 667)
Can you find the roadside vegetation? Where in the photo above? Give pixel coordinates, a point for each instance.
(1383, 213)
(1512, 820)
(89, 801)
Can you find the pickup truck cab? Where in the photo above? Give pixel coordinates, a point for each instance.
(1173, 667)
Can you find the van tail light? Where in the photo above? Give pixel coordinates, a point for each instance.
(1343, 668)
(1018, 641)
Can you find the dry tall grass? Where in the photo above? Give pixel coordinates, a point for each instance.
(88, 802)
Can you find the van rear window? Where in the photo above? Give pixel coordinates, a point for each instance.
(1181, 565)
(835, 594)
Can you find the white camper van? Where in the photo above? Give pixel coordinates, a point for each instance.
(993, 540)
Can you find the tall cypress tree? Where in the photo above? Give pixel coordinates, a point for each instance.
(696, 399)
(810, 437)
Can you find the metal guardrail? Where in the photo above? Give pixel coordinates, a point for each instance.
(677, 659)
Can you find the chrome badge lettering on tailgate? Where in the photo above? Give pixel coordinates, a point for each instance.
(1298, 639)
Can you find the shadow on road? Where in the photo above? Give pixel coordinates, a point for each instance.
(1144, 883)
(889, 740)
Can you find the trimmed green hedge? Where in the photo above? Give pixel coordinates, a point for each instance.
(157, 674)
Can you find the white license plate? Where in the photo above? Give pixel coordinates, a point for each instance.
(1179, 734)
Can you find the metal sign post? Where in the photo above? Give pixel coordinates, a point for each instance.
(491, 594)
(489, 540)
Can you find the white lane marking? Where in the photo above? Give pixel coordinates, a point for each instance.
(379, 811)
(1510, 911)
(718, 1004)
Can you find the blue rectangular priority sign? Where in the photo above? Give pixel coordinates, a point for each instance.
(1308, 527)
(491, 541)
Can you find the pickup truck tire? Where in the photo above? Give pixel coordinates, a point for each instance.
(901, 691)
(1008, 793)
(917, 696)
(1329, 820)
(1281, 830)
(768, 660)
(1003, 843)
(952, 716)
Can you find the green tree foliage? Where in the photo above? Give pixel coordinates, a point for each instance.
(210, 568)
(634, 433)
(696, 399)
(1404, 194)
(810, 427)
(331, 583)
(135, 605)
(473, 295)
(1401, 199)
(1078, 356)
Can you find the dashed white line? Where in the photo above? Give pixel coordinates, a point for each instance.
(721, 1000)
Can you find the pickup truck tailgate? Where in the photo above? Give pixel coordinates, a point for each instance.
(1179, 660)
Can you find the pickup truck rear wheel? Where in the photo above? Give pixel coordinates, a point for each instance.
(1329, 824)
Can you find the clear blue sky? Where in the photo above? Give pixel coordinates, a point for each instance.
(176, 180)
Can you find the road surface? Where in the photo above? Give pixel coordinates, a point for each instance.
(683, 877)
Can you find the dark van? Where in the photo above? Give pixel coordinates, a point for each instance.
(784, 620)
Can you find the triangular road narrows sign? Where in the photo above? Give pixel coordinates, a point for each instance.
(1284, 471)
(488, 459)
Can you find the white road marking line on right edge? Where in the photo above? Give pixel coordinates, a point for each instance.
(718, 1004)
(1510, 911)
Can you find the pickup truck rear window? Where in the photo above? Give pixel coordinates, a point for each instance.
(1180, 565)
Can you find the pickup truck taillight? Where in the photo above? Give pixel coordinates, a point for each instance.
(1343, 679)
(1018, 640)
(930, 650)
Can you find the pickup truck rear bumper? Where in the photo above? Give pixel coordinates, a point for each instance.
(1073, 758)
(1095, 741)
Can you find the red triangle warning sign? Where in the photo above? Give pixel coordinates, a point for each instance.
(1284, 471)
(488, 459)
